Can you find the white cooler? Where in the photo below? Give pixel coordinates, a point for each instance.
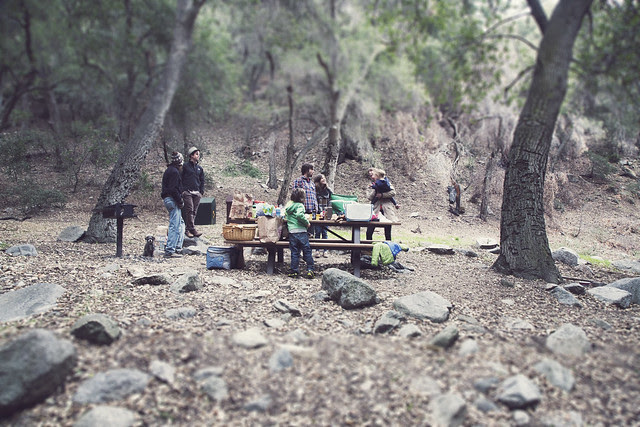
(358, 212)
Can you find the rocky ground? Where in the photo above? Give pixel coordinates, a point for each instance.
(342, 373)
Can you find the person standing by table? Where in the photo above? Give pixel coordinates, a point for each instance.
(323, 194)
(297, 224)
(193, 190)
(172, 197)
(306, 183)
(382, 203)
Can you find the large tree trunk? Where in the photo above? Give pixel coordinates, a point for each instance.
(126, 172)
(524, 247)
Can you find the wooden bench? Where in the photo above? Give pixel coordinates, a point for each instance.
(278, 247)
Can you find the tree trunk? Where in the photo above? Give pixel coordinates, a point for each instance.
(126, 172)
(488, 173)
(273, 177)
(524, 247)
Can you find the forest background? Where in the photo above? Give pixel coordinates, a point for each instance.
(404, 85)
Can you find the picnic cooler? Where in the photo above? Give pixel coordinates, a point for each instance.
(222, 257)
(358, 212)
(339, 201)
(239, 232)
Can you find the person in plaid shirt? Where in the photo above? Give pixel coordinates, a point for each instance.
(306, 183)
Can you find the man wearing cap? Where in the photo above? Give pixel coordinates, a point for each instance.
(172, 198)
(192, 190)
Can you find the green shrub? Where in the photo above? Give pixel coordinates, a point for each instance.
(244, 168)
(600, 166)
(30, 197)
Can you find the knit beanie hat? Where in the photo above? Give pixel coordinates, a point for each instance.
(177, 159)
(191, 151)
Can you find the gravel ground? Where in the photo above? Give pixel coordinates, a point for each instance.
(341, 373)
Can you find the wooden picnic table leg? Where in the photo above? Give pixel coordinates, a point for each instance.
(271, 260)
(280, 255)
(355, 254)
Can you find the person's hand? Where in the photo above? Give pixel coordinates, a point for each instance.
(180, 205)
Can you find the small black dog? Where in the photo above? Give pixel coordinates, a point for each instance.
(149, 247)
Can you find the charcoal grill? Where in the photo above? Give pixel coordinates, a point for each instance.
(119, 212)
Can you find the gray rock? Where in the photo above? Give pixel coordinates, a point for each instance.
(446, 337)
(96, 328)
(32, 367)
(424, 384)
(515, 324)
(470, 324)
(448, 410)
(601, 323)
(424, 305)
(188, 282)
(389, 321)
(441, 249)
(154, 279)
(568, 340)
(566, 256)
(285, 306)
(468, 346)
(556, 374)
(297, 336)
(521, 418)
(222, 281)
(321, 296)
(180, 313)
(280, 360)
(251, 338)
(409, 331)
(72, 233)
(487, 243)
(112, 385)
(507, 283)
(518, 392)
(485, 384)
(611, 295)
(22, 250)
(25, 302)
(575, 288)
(631, 285)
(347, 290)
(111, 416)
(162, 371)
(562, 419)
(262, 404)
(211, 371)
(274, 323)
(215, 387)
(485, 405)
(627, 265)
(565, 297)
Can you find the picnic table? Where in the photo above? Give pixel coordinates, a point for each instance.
(354, 244)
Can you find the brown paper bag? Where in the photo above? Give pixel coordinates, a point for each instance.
(241, 206)
(269, 229)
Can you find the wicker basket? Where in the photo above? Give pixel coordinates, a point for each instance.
(238, 232)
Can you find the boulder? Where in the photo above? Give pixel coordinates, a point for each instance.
(611, 295)
(347, 290)
(72, 233)
(566, 256)
(26, 302)
(112, 385)
(32, 367)
(96, 328)
(631, 285)
(424, 305)
(22, 250)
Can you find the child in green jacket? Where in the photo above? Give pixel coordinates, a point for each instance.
(297, 224)
(387, 251)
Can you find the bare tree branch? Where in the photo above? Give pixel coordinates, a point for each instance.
(538, 14)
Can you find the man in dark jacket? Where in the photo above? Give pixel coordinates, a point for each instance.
(192, 190)
(172, 198)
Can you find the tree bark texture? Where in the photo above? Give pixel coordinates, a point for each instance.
(126, 172)
(524, 247)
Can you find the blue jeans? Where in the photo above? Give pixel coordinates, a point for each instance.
(320, 231)
(175, 235)
(300, 242)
